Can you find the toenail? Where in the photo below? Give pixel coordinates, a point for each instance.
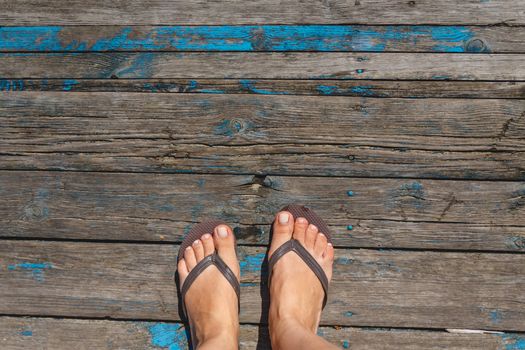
(312, 227)
(222, 231)
(188, 248)
(283, 218)
(321, 234)
(330, 244)
(196, 242)
(206, 236)
(301, 220)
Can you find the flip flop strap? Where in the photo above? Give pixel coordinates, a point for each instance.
(202, 265)
(296, 246)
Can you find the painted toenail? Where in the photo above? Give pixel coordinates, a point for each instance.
(206, 236)
(223, 232)
(283, 218)
(196, 242)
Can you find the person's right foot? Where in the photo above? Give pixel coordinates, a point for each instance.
(296, 294)
(211, 301)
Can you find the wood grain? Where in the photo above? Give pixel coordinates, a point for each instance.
(317, 37)
(153, 207)
(369, 288)
(358, 88)
(261, 65)
(47, 333)
(167, 12)
(336, 136)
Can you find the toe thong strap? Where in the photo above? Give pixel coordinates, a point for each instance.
(296, 246)
(202, 265)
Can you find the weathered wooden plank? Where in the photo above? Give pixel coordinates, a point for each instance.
(341, 136)
(152, 207)
(264, 65)
(162, 12)
(360, 88)
(369, 288)
(47, 333)
(264, 38)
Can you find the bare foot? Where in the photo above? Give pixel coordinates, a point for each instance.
(211, 302)
(296, 295)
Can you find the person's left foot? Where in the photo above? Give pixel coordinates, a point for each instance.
(211, 302)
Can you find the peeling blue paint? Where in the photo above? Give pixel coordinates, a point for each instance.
(350, 227)
(346, 344)
(201, 183)
(26, 333)
(241, 38)
(343, 261)
(36, 269)
(349, 314)
(137, 66)
(327, 89)
(168, 336)
(11, 85)
(440, 77)
(223, 128)
(495, 316)
(252, 263)
(230, 127)
(513, 341)
(69, 83)
(360, 90)
(450, 38)
(249, 86)
(363, 90)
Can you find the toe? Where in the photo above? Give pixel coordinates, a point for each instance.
(311, 235)
(320, 245)
(182, 269)
(198, 249)
(329, 252)
(189, 256)
(299, 230)
(225, 244)
(282, 230)
(207, 243)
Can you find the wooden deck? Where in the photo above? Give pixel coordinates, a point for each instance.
(122, 124)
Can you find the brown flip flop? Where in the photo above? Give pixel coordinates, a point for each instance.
(214, 259)
(294, 245)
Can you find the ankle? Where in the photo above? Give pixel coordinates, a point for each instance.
(223, 338)
(281, 329)
(220, 340)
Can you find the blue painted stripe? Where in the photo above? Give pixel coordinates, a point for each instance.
(241, 38)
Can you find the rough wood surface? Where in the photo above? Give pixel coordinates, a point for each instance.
(258, 65)
(152, 207)
(163, 12)
(341, 136)
(58, 334)
(359, 88)
(369, 288)
(264, 38)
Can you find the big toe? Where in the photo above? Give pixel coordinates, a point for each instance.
(282, 230)
(225, 244)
